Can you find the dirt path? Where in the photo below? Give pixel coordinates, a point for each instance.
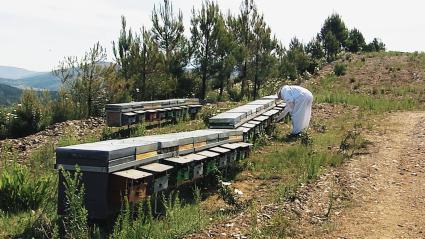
(375, 195)
(391, 202)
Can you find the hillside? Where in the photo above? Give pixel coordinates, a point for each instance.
(360, 163)
(9, 94)
(23, 79)
(10, 72)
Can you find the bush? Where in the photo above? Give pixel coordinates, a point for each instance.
(20, 191)
(32, 114)
(75, 220)
(340, 69)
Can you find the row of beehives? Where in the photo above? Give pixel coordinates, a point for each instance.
(144, 166)
(150, 111)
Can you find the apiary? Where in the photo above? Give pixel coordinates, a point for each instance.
(168, 145)
(204, 139)
(212, 161)
(161, 174)
(131, 113)
(241, 149)
(227, 156)
(223, 156)
(272, 114)
(227, 120)
(264, 121)
(182, 168)
(265, 103)
(246, 132)
(198, 165)
(133, 184)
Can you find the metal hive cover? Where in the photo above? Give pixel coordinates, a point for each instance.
(243, 144)
(248, 125)
(244, 129)
(139, 111)
(156, 167)
(205, 134)
(103, 150)
(208, 154)
(231, 146)
(163, 140)
(141, 144)
(195, 157)
(133, 174)
(271, 112)
(261, 118)
(230, 118)
(220, 150)
(179, 160)
(129, 114)
(151, 111)
(254, 122)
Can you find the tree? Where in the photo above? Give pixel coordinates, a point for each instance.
(84, 80)
(225, 56)
(336, 26)
(315, 48)
(168, 34)
(263, 47)
(331, 45)
(240, 26)
(124, 53)
(204, 40)
(375, 45)
(356, 41)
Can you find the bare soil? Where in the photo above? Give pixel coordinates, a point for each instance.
(376, 195)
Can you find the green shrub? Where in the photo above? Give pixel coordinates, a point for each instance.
(340, 69)
(75, 219)
(20, 191)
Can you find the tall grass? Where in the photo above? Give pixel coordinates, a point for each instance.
(20, 191)
(179, 220)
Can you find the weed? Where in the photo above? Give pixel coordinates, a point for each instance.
(75, 222)
(340, 69)
(20, 191)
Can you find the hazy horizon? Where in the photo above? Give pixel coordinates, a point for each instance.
(36, 35)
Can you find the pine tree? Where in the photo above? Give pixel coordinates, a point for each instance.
(263, 47)
(204, 40)
(168, 35)
(356, 41)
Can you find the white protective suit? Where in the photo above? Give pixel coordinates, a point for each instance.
(298, 103)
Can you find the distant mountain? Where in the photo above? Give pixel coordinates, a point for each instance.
(45, 80)
(35, 80)
(9, 94)
(10, 72)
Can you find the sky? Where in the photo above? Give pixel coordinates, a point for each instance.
(37, 34)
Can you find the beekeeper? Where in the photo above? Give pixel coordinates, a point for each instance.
(298, 104)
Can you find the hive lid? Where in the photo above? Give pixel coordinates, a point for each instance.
(195, 106)
(231, 118)
(129, 114)
(248, 125)
(156, 167)
(151, 111)
(104, 150)
(243, 144)
(195, 157)
(133, 174)
(179, 160)
(254, 122)
(262, 118)
(271, 112)
(139, 111)
(244, 129)
(220, 150)
(231, 146)
(208, 154)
